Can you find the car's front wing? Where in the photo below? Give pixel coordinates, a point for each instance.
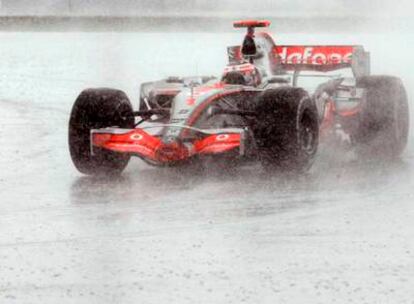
(142, 143)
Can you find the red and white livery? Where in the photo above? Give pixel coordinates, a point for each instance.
(259, 109)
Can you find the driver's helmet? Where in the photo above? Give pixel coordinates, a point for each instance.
(242, 74)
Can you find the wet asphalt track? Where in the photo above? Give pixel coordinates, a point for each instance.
(343, 233)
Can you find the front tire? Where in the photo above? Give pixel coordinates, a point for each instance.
(287, 129)
(94, 109)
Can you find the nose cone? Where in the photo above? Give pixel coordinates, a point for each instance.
(171, 151)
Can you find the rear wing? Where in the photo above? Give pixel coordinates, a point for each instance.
(323, 58)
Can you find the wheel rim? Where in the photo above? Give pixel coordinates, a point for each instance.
(308, 135)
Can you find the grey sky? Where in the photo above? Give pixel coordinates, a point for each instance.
(209, 7)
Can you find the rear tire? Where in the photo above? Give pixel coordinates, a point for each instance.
(287, 129)
(383, 125)
(94, 109)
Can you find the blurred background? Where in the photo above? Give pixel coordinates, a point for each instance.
(205, 8)
(212, 15)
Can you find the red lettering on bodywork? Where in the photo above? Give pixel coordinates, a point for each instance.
(314, 55)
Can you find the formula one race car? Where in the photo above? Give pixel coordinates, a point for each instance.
(255, 111)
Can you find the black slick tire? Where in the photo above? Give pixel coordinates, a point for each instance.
(286, 130)
(94, 109)
(382, 129)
